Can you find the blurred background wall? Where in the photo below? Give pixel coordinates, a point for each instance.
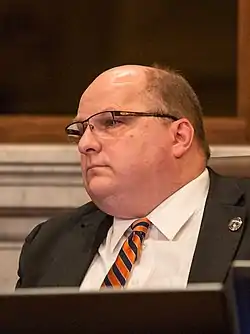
(51, 50)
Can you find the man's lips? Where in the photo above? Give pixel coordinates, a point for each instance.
(94, 166)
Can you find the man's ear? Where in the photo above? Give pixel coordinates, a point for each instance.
(183, 134)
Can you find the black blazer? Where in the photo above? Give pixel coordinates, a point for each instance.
(60, 251)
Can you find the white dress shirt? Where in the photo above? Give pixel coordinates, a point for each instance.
(169, 247)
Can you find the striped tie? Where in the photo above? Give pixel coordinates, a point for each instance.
(119, 273)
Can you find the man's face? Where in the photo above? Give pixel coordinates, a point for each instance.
(133, 157)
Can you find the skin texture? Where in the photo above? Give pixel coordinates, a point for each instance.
(130, 173)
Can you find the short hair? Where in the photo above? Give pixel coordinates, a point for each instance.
(178, 98)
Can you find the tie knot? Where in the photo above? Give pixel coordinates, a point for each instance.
(141, 225)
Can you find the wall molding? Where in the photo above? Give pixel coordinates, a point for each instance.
(41, 181)
(50, 129)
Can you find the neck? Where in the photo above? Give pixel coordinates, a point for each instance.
(130, 206)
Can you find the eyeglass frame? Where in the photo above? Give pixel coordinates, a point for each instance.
(120, 113)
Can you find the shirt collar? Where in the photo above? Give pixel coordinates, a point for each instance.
(172, 214)
(117, 230)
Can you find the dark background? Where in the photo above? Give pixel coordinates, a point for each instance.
(50, 50)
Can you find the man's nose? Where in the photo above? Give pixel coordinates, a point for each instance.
(89, 143)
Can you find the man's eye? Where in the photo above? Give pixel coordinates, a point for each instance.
(112, 122)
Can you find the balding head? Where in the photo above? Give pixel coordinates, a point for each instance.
(163, 90)
(124, 74)
(120, 86)
(132, 161)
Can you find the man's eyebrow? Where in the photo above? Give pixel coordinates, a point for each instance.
(79, 119)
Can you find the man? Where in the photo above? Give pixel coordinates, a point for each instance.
(158, 217)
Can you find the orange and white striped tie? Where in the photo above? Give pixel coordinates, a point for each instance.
(120, 271)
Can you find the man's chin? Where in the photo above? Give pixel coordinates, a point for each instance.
(99, 190)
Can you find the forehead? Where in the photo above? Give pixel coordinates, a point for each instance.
(120, 90)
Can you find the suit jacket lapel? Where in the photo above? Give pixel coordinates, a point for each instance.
(217, 245)
(75, 251)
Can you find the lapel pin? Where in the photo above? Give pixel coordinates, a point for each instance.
(235, 224)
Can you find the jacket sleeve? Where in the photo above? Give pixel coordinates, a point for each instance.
(25, 254)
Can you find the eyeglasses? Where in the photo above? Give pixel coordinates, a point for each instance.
(107, 123)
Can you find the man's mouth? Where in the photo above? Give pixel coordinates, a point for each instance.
(94, 166)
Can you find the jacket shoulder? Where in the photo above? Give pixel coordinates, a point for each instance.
(220, 180)
(62, 221)
(40, 241)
